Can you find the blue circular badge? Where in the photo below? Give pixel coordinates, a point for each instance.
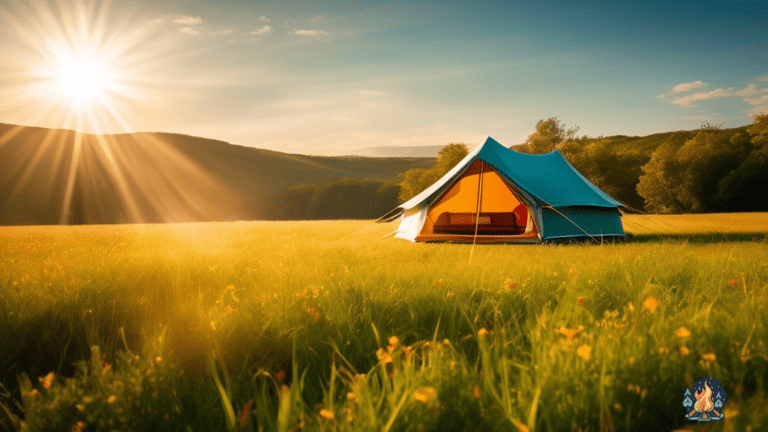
(705, 400)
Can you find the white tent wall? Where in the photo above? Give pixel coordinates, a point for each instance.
(411, 222)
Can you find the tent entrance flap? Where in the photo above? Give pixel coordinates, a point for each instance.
(480, 201)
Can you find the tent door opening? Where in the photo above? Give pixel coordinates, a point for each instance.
(479, 202)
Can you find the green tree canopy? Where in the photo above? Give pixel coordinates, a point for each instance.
(613, 172)
(548, 135)
(715, 170)
(759, 130)
(416, 180)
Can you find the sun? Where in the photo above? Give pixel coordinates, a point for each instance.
(82, 80)
(77, 64)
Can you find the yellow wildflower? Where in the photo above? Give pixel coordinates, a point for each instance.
(585, 352)
(393, 340)
(709, 357)
(573, 271)
(314, 314)
(47, 380)
(663, 350)
(158, 359)
(650, 304)
(682, 332)
(569, 333)
(684, 351)
(482, 332)
(425, 394)
(351, 396)
(383, 356)
(111, 399)
(328, 414)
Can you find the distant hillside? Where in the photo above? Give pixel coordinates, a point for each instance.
(48, 176)
(644, 146)
(398, 151)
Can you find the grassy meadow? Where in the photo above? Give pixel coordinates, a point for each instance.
(251, 326)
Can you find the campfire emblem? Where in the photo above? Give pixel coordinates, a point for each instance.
(705, 400)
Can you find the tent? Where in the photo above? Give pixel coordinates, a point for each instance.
(499, 195)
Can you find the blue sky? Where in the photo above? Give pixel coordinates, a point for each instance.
(331, 77)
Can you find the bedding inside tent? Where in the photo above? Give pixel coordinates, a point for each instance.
(455, 214)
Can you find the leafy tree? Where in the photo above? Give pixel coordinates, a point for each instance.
(759, 130)
(742, 188)
(548, 135)
(351, 198)
(292, 203)
(706, 159)
(449, 156)
(416, 180)
(713, 171)
(597, 160)
(662, 176)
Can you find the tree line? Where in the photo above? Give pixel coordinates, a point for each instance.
(706, 170)
(351, 198)
(347, 198)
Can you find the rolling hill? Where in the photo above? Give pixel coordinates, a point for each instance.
(53, 176)
(429, 151)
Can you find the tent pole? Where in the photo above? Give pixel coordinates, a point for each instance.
(477, 213)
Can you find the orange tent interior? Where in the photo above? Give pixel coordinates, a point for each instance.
(455, 217)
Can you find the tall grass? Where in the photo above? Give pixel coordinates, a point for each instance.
(314, 326)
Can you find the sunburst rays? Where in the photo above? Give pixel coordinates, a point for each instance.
(82, 65)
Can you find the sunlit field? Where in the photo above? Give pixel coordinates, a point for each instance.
(251, 326)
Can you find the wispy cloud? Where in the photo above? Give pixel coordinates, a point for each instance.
(187, 20)
(189, 30)
(310, 32)
(222, 32)
(757, 101)
(755, 95)
(748, 91)
(263, 18)
(264, 30)
(684, 87)
(714, 94)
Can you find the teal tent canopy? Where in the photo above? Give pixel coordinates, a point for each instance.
(560, 202)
